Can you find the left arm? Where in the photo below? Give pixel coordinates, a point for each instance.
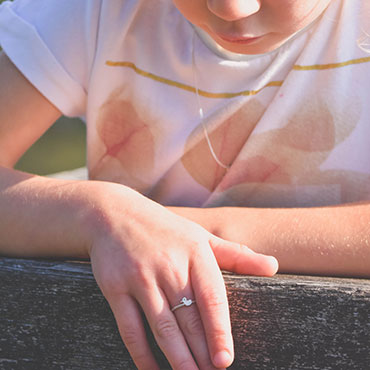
(333, 240)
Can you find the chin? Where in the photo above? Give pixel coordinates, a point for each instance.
(247, 50)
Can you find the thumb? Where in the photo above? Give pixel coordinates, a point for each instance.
(240, 259)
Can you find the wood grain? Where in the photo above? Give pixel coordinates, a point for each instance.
(53, 316)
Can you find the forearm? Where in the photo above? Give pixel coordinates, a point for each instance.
(327, 240)
(41, 216)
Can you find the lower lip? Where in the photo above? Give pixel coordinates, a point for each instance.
(243, 41)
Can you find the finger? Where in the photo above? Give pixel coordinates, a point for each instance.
(131, 328)
(190, 322)
(242, 260)
(211, 298)
(166, 330)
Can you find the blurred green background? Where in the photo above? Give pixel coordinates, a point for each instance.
(61, 148)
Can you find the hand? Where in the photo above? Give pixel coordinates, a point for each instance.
(145, 257)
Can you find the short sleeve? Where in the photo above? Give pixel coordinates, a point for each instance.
(53, 43)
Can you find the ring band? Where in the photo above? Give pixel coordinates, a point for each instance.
(184, 302)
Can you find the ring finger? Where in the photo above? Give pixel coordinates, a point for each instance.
(189, 320)
(166, 330)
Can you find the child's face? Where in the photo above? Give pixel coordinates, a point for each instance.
(251, 26)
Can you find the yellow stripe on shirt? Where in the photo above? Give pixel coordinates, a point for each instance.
(207, 94)
(228, 95)
(331, 65)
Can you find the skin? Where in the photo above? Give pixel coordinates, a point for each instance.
(144, 257)
(272, 21)
(128, 237)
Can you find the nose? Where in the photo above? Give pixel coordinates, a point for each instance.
(233, 10)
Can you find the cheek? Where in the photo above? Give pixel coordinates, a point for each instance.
(288, 16)
(193, 10)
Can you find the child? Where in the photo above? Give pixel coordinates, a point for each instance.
(211, 125)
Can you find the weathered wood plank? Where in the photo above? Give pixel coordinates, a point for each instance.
(53, 316)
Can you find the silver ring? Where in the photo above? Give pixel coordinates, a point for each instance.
(184, 302)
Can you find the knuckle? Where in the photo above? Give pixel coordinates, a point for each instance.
(166, 328)
(134, 269)
(127, 279)
(216, 301)
(136, 348)
(108, 282)
(141, 276)
(218, 335)
(193, 324)
(130, 337)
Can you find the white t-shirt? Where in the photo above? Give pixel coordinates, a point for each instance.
(293, 124)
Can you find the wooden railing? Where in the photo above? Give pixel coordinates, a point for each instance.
(53, 316)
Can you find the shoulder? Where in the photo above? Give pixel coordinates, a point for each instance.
(47, 18)
(137, 10)
(31, 10)
(52, 43)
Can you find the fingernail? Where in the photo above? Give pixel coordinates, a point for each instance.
(222, 359)
(274, 264)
